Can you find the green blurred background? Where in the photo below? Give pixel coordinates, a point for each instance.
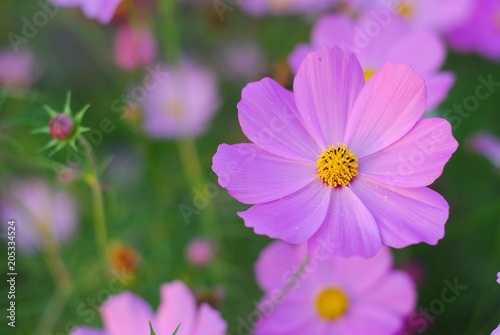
(145, 182)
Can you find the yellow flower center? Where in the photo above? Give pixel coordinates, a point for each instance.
(174, 109)
(331, 304)
(337, 165)
(406, 10)
(368, 73)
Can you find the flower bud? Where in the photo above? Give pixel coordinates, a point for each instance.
(61, 126)
(199, 252)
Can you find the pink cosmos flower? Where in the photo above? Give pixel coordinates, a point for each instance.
(341, 296)
(394, 41)
(200, 251)
(100, 10)
(481, 31)
(134, 47)
(487, 145)
(128, 314)
(242, 59)
(17, 69)
(438, 15)
(283, 7)
(338, 161)
(38, 210)
(182, 103)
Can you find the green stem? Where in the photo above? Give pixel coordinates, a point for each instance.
(52, 313)
(193, 171)
(92, 179)
(294, 279)
(168, 24)
(291, 283)
(63, 281)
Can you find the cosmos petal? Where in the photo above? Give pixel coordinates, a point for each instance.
(294, 218)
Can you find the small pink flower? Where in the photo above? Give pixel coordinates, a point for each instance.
(339, 161)
(283, 7)
(333, 296)
(481, 31)
(100, 10)
(134, 47)
(243, 59)
(181, 103)
(200, 252)
(128, 314)
(18, 69)
(487, 145)
(498, 277)
(438, 15)
(395, 42)
(39, 210)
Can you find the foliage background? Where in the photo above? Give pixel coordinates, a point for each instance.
(145, 183)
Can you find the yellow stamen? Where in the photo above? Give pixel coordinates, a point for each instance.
(406, 10)
(337, 166)
(368, 73)
(331, 304)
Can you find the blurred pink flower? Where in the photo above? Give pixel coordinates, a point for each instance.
(284, 7)
(38, 209)
(481, 31)
(395, 41)
(128, 314)
(498, 277)
(182, 103)
(134, 47)
(438, 15)
(241, 60)
(200, 251)
(334, 161)
(334, 296)
(17, 69)
(100, 10)
(487, 145)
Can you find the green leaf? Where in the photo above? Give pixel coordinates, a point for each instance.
(177, 329)
(151, 328)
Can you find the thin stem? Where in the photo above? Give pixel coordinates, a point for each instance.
(62, 279)
(168, 24)
(92, 179)
(193, 171)
(291, 283)
(294, 279)
(52, 313)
